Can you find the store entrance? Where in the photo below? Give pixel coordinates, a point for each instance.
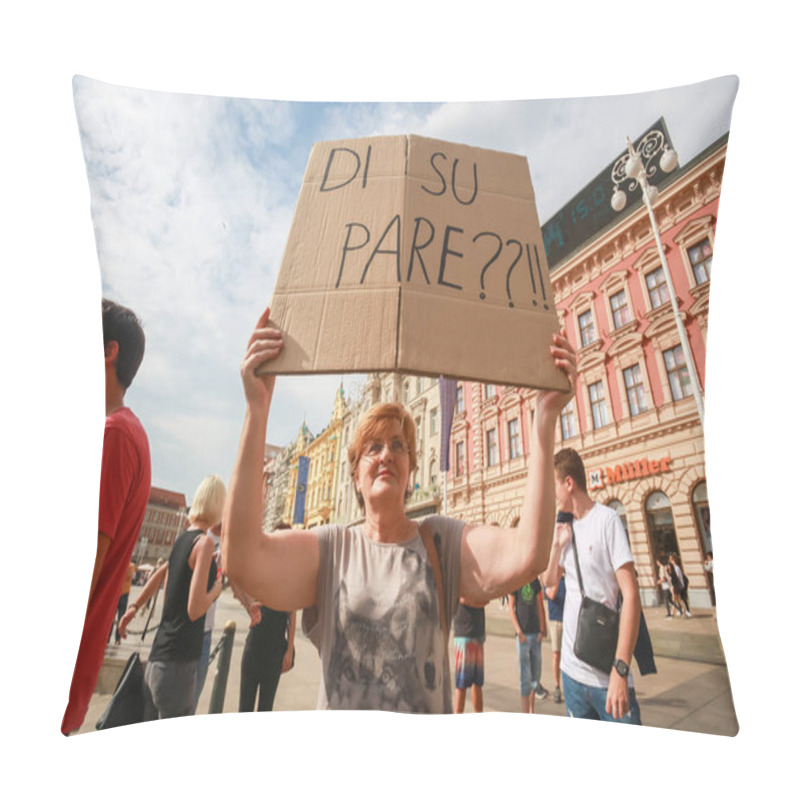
(660, 527)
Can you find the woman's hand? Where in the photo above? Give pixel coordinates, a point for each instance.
(549, 404)
(265, 344)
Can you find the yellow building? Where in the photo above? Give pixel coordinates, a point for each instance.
(317, 492)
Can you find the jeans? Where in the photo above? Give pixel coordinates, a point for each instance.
(589, 702)
(171, 687)
(530, 663)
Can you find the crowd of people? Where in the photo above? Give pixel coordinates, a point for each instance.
(378, 599)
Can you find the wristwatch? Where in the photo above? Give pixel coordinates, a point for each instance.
(621, 667)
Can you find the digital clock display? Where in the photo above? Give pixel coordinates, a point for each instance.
(590, 210)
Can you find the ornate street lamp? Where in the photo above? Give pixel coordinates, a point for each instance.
(634, 168)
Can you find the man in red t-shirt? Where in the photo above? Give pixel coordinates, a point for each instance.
(124, 492)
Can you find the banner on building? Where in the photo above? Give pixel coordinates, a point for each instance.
(298, 518)
(447, 404)
(416, 255)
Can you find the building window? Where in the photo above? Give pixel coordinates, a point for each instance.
(514, 439)
(677, 373)
(432, 472)
(405, 392)
(586, 326)
(434, 421)
(597, 401)
(568, 426)
(635, 390)
(459, 399)
(461, 463)
(620, 312)
(492, 455)
(657, 288)
(700, 258)
(490, 391)
(419, 385)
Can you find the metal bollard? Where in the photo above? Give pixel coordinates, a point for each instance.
(223, 666)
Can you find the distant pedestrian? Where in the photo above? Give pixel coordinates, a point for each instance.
(680, 585)
(122, 605)
(144, 609)
(124, 492)
(469, 634)
(527, 615)
(665, 587)
(555, 609)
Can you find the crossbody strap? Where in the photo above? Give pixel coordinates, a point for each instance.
(436, 565)
(578, 566)
(575, 556)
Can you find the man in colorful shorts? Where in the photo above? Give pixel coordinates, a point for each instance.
(469, 632)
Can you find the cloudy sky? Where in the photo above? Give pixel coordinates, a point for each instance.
(192, 199)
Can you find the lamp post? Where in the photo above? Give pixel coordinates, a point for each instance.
(636, 166)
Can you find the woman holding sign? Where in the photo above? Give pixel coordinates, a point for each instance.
(379, 597)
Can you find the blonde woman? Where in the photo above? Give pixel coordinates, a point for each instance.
(192, 586)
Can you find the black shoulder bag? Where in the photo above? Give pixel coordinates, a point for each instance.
(128, 702)
(598, 626)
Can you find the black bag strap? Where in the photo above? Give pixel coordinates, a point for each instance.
(575, 556)
(578, 566)
(436, 566)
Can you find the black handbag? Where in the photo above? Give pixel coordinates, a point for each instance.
(598, 626)
(127, 703)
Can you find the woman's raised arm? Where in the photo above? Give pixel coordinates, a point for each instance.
(497, 561)
(279, 570)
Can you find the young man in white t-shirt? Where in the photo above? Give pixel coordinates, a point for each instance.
(606, 565)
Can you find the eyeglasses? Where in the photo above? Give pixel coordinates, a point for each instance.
(373, 449)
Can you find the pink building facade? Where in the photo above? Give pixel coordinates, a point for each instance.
(634, 418)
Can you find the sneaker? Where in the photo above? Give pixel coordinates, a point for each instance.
(688, 615)
(557, 697)
(541, 692)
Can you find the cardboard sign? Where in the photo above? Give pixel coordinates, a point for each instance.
(416, 255)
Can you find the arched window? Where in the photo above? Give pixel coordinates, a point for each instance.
(702, 515)
(660, 526)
